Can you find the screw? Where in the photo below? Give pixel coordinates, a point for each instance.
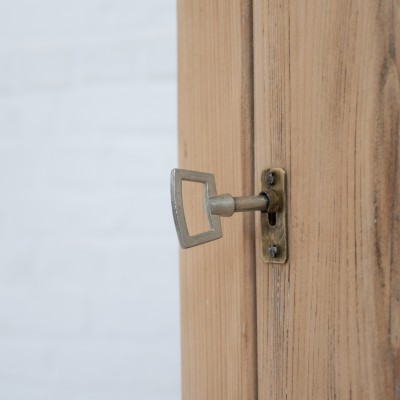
(273, 250)
(270, 178)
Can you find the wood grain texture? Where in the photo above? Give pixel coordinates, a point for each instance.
(327, 110)
(216, 135)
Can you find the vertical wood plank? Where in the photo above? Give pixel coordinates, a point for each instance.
(216, 135)
(327, 110)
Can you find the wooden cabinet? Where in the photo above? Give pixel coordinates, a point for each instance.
(312, 87)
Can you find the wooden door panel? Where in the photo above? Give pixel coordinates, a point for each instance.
(216, 135)
(325, 93)
(327, 110)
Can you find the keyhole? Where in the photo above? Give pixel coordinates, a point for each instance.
(272, 218)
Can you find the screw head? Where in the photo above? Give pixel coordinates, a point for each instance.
(270, 178)
(273, 250)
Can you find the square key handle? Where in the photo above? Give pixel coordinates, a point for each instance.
(215, 232)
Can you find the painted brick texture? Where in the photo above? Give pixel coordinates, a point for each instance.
(88, 253)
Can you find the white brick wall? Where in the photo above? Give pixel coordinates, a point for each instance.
(88, 252)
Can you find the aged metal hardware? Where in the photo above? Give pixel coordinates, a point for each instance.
(273, 222)
(271, 202)
(215, 232)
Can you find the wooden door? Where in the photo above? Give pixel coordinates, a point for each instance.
(216, 135)
(312, 87)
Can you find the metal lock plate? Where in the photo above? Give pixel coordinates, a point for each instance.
(274, 224)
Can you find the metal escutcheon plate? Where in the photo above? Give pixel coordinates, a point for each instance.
(274, 225)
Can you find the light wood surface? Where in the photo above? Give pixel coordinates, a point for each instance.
(216, 135)
(327, 110)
